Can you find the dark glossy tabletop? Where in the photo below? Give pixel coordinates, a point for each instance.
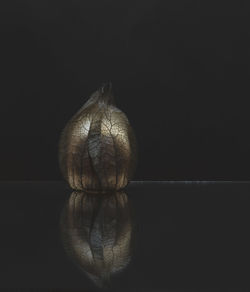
(155, 236)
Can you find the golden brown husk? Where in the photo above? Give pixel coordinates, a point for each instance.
(97, 148)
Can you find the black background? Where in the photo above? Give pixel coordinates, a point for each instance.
(179, 70)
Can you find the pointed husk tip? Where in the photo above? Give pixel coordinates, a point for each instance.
(106, 87)
(106, 93)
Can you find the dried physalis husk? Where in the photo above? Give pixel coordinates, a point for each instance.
(97, 149)
(96, 233)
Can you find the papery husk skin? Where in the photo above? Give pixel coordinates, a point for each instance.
(97, 148)
(96, 234)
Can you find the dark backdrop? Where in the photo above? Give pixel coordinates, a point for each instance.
(180, 71)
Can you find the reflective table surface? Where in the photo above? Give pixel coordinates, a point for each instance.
(154, 236)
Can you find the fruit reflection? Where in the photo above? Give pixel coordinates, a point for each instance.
(96, 233)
